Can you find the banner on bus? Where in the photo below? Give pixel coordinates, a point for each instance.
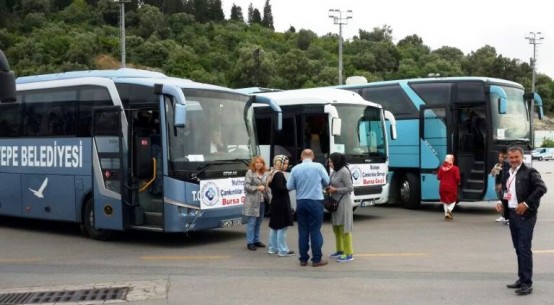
(220, 193)
(368, 174)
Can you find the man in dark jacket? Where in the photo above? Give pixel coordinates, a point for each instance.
(522, 190)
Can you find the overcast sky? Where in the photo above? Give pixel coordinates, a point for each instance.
(467, 25)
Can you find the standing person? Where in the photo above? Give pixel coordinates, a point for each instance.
(523, 188)
(255, 192)
(308, 179)
(497, 171)
(342, 219)
(449, 177)
(281, 211)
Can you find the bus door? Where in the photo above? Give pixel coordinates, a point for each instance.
(434, 146)
(471, 134)
(146, 168)
(107, 175)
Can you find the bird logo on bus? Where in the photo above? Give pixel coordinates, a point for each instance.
(39, 192)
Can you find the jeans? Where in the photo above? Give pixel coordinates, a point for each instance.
(309, 214)
(253, 225)
(278, 241)
(522, 234)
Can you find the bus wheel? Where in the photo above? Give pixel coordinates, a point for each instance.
(409, 191)
(88, 223)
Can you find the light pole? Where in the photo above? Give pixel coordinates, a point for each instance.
(122, 29)
(336, 14)
(534, 39)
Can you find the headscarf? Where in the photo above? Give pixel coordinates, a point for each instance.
(448, 163)
(277, 160)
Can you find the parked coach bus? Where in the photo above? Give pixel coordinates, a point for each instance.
(469, 117)
(330, 120)
(125, 149)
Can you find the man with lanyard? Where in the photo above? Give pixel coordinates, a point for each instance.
(522, 190)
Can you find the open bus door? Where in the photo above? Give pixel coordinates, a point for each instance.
(106, 210)
(434, 145)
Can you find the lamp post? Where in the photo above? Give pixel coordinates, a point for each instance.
(534, 39)
(122, 29)
(338, 18)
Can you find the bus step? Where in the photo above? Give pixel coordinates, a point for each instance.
(474, 191)
(153, 219)
(147, 228)
(157, 205)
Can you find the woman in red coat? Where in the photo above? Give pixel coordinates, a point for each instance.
(449, 177)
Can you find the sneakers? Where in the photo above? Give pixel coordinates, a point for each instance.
(345, 258)
(336, 254)
(506, 221)
(290, 253)
(501, 218)
(271, 251)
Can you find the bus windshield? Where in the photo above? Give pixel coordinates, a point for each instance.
(514, 124)
(362, 131)
(215, 128)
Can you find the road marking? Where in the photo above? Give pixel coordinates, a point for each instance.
(187, 257)
(390, 254)
(18, 260)
(543, 251)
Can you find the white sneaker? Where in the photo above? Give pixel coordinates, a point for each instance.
(501, 218)
(506, 221)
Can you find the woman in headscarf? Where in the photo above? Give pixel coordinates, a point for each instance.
(449, 177)
(281, 212)
(342, 219)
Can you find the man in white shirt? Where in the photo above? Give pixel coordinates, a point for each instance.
(522, 189)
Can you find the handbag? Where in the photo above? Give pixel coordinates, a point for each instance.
(331, 204)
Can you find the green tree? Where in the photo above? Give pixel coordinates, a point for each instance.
(304, 39)
(250, 71)
(293, 70)
(216, 11)
(256, 17)
(250, 13)
(267, 19)
(547, 142)
(236, 13)
(379, 34)
(151, 21)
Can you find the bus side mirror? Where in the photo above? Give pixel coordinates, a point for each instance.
(502, 105)
(337, 124)
(180, 115)
(538, 103)
(390, 117)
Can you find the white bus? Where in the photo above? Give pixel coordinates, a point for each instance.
(329, 120)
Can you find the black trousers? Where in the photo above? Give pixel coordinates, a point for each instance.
(522, 235)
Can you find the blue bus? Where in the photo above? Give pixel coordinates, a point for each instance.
(472, 118)
(125, 149)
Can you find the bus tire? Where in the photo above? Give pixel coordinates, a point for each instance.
(409, 191)
(88, 223)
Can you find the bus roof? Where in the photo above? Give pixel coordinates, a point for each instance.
(119, 76)
(253, 90)
(490, 80)
(313, 96)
